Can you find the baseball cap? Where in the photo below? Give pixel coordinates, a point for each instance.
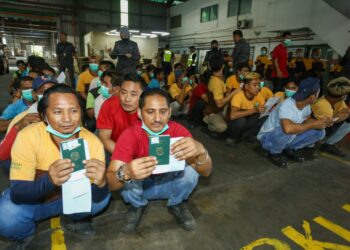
(307, 87)
(39, 81)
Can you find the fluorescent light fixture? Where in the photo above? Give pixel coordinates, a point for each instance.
(150, 35)
(138, 36)
(112, 33)
(134, 31)
(162, 33)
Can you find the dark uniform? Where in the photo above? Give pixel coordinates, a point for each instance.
(124, 64)
(212, 52)
(65, 52)
(240, 53)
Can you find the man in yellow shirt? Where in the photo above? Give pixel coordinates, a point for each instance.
(236, 81)
(246, 107)
(333, 106)
(180, 92)
(262, 61)
(38, 172)
(87, 76)
(171, 77)
(290, 88)
(149, 74)
(218, 97)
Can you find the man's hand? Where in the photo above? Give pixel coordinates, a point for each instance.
(261, 109)
(186, 148)
(28, 119)
(322, 123)
(279, 74)
(128, 55)
(140, 168)
(342, 116)
(95, 170)
(60, 171)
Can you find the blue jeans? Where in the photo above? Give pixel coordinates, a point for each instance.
(339, 134)
(174, 186)
(18, 221)
(276, 141)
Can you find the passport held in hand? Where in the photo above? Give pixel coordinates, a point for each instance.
(74, 150)
(159, 147)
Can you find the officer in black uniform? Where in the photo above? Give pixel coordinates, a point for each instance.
(65, 52)
(127, 52)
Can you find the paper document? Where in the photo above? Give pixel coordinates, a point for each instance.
(270, 104)
(174, 165)
(61, 78)
(76, 192)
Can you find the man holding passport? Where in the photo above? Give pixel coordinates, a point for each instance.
(142, 150)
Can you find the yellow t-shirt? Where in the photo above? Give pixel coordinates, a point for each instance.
(16, 119)
(232, 83)
(263, 59)
(266, 93)
(171, 78)
(217, 87)
(84, 81)
(34, 150)
(145, 78)
(281, 95)
(240, 101)
(174, 90)
(322, 108)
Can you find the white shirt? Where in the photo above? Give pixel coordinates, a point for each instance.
(285, 110)
(94, 83)
(98, 104)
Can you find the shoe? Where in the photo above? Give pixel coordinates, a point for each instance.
(21, 244)
(279, 160)
(331, 149)
(294, 155)
(183, 216)
(308, 154)
(133, 218)
(81, 228)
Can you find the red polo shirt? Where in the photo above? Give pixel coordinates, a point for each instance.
(133, 143)
(112, 116)
(281, 53)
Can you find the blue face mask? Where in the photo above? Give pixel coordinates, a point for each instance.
(104, 91)
(99, 73)
(26, 72)
(39, 97)
(151, 75)
(93, 67)
(48, 77)
(289, 93)
(288, 42)
(151, 133)
(54, 132)
(184, 80)
(263, 53)
(139, 72)
(262, 84)
(27, 95)
(190, 82)
(241, 77)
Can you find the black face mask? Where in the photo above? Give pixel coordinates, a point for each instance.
(215, 49)
(125, 38)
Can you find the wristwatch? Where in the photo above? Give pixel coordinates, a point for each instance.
(121, 174)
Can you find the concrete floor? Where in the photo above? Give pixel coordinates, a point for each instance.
(246, 199)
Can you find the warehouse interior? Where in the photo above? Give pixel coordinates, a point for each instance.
(247, 202)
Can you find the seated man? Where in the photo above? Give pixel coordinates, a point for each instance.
(85, 78)
(290, 88)
(180, 92)
(246, 107)
(149, 74)
(171, 77)
(290, 131)
(38, 172)
(218, 97)
(103, 67)
(119, 112)
(19, 106)
(158, 81)
(333, 106)
(25, 118)
(131, 167)
(236, 81)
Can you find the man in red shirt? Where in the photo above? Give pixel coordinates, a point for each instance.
(198, 101)
(131, 167)
(279, 58)
(119, 112)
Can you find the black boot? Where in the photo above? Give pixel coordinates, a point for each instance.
(133, 218)
(183, 216)
(279, 160)
(294, 155)
(80, 228)
(332, 149)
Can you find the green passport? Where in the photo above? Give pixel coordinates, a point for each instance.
(159, 147)
(74, 150)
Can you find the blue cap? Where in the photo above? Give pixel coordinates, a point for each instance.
(39, 81)
(307, 87)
